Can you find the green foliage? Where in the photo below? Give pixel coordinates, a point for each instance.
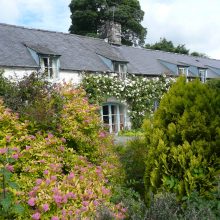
(132, 157)
(135, 207)
(89, 16)
(183, 141)
(168, 46)
(138, 92)
(34, 98)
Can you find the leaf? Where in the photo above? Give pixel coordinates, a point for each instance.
(6, 203)
(13, 185)
(18, 209)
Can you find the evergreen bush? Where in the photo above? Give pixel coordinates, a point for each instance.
(183, 140)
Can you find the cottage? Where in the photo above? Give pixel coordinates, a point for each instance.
(66, 56)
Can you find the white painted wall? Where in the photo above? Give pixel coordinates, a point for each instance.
(16, 72)
(67, 76)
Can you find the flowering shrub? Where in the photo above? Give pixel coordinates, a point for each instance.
(55, 181)
(140, 93)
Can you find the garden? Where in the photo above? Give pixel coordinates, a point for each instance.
(57, 161)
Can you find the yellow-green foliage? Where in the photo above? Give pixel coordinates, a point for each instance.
(183, 140)
(55, 181)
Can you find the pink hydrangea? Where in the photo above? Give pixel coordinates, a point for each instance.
(46, 207)
(55, 218)
(36, 216)
(31, 201)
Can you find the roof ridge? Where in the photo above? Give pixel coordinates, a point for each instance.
(162, 51)
(50, 31)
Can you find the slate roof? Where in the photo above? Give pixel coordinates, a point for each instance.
(80, 53)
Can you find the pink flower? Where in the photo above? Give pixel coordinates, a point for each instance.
(53, 178)
(3, 150)
(47, 181)
(95, 202)
(36, 216)
(71, 195)
(46, 207)
(102, 134)
(62, 148)
(85, 203)
(105, 191)
(9, 168)
(55, 218)
(63, 140)
(57, 199)
(71, 175)
(50, 135)
(15, 156)
(15, 149)
(31, 202)
(8, 138)
(46, 172)
(31, 193)
(28, 147)
(39, 181)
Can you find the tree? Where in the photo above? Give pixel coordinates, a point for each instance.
(88, 17)
(183, 140)
(197, 54)
(168, 46)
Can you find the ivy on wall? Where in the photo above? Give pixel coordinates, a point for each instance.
(138, 92)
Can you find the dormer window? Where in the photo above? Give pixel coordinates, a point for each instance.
(202, 75)
(47, 59)
(121, 69)
(183, 70)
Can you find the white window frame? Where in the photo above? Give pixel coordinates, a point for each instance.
(183, 70)
(121, 70)
(51, 68)
(203, 75)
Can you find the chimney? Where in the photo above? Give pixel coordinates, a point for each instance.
(112, 31)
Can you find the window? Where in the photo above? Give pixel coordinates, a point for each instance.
(120, 68)
(50, 66)
(113, 117)
(182, 70)
(202, 75)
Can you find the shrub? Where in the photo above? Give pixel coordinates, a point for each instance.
(34, 98)
(54, 181)
(183, 141)
(132, 157)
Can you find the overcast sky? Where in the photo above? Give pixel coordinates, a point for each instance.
(195, 23)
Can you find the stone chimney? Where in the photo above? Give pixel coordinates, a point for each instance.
(112, 32)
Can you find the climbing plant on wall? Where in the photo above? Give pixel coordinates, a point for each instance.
(138, 92)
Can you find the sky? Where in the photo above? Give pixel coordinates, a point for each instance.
(195, 23)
